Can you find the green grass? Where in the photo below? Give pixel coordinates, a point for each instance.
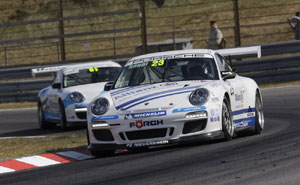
(18, 147)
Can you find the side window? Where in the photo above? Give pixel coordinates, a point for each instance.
(222, 63)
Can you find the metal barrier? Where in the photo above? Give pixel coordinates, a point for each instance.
(267, 70)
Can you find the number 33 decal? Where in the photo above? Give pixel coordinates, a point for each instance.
(158, 63)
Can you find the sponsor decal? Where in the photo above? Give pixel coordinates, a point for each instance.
(150, 143)
(214, 118)
(245, 122)
(214, 112)
(81, 105)
(239, 97)
(146, 114)
(141, 123)
(250, 114)
(188, 109)
(108, 117)
(165, 57)
(241, 125)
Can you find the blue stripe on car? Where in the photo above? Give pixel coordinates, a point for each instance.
(242, 111)
(154, 94)
(158, 98)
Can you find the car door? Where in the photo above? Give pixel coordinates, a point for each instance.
(234, 85)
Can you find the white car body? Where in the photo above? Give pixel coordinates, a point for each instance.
(51, 98)
(161, 113)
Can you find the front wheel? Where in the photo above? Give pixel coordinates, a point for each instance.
(41, 117)
(227, 122)
(259, 115)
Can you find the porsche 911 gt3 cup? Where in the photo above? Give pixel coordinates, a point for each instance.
(66, 100)
(172, 97)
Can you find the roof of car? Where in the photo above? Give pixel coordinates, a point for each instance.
(175, 52)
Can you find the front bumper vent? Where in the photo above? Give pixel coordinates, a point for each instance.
(194, 126)
(146, 134)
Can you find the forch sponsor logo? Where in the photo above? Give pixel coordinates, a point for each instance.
(141, 123)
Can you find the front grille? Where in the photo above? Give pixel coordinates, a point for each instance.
(194, 126)
(103, 135)
(146, 134)
(81, 115)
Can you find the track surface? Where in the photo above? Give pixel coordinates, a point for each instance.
(23, 122)
(270, 158)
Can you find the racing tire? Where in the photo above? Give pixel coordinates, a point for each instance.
(227, 121)
(259, 115)
(63, 121)
(103, 153)
(41, 117)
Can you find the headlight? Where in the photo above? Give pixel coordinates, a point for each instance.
(199, 97)
(77, 97)
(100, 106)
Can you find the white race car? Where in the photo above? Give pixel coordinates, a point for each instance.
(74, 87)
(172, 97)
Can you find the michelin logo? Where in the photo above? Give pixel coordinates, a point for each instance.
(146, 114)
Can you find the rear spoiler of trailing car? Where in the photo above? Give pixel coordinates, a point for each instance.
(241, 52)
(42, 70)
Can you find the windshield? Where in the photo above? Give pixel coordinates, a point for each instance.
(91, 75)
(168, 70)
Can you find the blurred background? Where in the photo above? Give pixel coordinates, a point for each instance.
(52, 31)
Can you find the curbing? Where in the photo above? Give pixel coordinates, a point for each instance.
(42, 160)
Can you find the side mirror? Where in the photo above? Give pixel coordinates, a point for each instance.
(228, 75)
(56, 85)
(108, 86)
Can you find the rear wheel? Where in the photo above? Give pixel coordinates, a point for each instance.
(63, 121)
(41, 117)
(259, 115)
(227, 122)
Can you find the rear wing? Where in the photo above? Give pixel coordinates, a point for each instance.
(43, 70)
(241, 52)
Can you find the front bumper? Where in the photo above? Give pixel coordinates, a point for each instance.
(184, 139)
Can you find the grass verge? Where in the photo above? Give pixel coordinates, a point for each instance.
(15, 105)
(19, 147)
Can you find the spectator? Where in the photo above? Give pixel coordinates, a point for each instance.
(216, 40)
(295, 27)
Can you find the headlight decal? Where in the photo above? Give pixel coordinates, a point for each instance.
(199, 96)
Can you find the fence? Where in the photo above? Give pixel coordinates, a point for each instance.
(270, 70)
(70, 30)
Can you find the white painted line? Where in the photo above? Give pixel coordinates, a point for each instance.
(37, 160)
(75, 155)
(22, 137)
(5, 170)
(18, 109)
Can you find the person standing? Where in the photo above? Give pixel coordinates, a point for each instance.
(296, 27)
(216, 40)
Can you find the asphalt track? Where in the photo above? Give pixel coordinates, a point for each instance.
(271, 158)
(24, 123)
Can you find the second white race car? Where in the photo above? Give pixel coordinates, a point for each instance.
(172, 97)
(65, 101)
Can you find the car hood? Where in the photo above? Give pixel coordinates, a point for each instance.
(89, 91)
(155, 96)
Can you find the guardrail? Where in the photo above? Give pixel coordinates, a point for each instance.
(267, 70)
